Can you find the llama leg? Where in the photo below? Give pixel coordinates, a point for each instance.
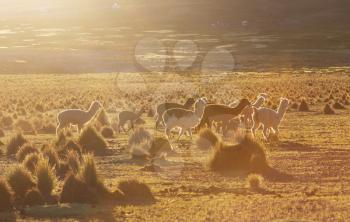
(167, 132)
(265, 132)
(190, 132)
(180, 133)
(255, 127)
(58, 128)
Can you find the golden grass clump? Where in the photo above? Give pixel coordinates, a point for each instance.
(255, 181)
(139, 136)
(46, 178)
(75, 190)
(135, 191)
(20, 180)
(25, 150)
(30, 161)
(206, 139)
(51, 154)
(6, 200)
(91, 141)
(33, 198)
(328, 110)
(73, 161)
(15, 143)
(247, 155)
(160, 147)
(107, 132)
(303, 106)
(88, 172)
(70, 145)
(25, 126)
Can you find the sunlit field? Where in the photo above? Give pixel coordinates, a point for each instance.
(174, 111)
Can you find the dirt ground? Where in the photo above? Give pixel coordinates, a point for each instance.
(313, 151)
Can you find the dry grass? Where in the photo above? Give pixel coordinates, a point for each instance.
(206, 139)
(92, 141)
(255, 182)
(20, 180)
(25, 150)
(247, 155)
(33, 197)
(6, 200)
(136, 191)
(15, 143)
(30, 161)
(46, 178)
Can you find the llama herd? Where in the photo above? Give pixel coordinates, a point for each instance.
(204, 114)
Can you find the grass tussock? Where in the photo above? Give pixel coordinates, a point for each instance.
(247, 155)
(6, 200)
(135, 191)
(25, 150)
(160, 147)
(2, 133)
(30, 161)
(50, 153)
(206, 139)
(107, 132)
(88, 172)
(303, 106)
(46, 178)
(255, 182)
(20, 180)
(91, 141)
(73, 161)
(139, 136)
(15, 143)
(33, 198)
(328, 110)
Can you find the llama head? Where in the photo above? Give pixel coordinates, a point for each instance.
(243, 103)
(282, 108)
(260, 100)
(190, 101)
(95, 106)
(200, 105)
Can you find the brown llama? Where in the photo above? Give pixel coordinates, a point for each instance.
(161, 108)
(221, 113)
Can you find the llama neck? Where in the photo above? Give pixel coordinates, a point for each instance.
(281, 111)
(91, 112)
(239, 108)
(199, 111)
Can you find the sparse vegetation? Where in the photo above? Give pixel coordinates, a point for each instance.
(46, 178)
(20, 180)
(25, 150)
(6, 200)
(15, 143)
(91, 141)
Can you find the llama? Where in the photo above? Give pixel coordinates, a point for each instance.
(221, 113)
(128, 116)
(269, 118)
(247, 113)
(161, 108)
(183, 118)
(77, 117)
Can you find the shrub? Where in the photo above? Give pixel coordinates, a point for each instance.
(33, 198)
(20, 180)
(91, 141)
(15, 143)
(160, 146)
(24, 125)
(25, 150)
(107, 132)
(6, 121)
(338, 105)
(135, 191)
(303, 106)
(2, 133)
(70, 146)
(46, 178)
(30, 161)
(51, 154)
(246, 156)
(255, 181)
(74, 190)
(88, 171)
(206, 139)
(140, 135)
(6, 200)
(73, 161)
(328, 110)
(102, 118)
